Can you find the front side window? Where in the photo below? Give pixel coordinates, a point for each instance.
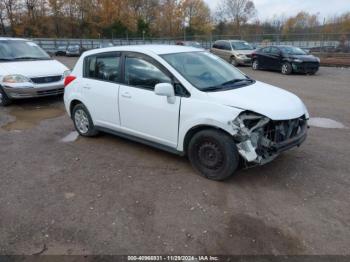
(105, 67)
(140, 72)
(206, 71)
(17, 50)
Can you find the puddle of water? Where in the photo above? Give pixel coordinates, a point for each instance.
(29, 117)
(71, 137)
(325, 123)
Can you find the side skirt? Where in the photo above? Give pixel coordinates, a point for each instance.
(142, 141)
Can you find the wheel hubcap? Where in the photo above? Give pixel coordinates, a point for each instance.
(284, 69)
(210, 155)
(255, 65)
(81, 121)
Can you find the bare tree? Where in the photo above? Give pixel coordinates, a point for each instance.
(11, 7)
(2, 18)
(237, 11)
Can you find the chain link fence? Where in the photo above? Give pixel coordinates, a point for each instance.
(328, 43)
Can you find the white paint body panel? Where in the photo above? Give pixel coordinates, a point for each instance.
(148, 116)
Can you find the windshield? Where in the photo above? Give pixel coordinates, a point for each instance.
(291, 50)
(241, 46)
(21, 50)
(206, 71)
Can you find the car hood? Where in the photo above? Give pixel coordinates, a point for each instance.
(264, 99)
(33, 68)
(305, 58)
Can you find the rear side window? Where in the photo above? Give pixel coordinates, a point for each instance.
(227, 46)
(140, 72)
(105, 67)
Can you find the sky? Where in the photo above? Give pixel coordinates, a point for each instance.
(267, 8)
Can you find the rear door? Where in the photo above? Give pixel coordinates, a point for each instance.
(100, 88)
(143, 113)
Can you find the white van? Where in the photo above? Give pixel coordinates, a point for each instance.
(28, 71)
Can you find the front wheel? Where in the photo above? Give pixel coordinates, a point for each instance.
(83, 122)
(286, 68)
(233, 61)
(4, 99)
(213, 154)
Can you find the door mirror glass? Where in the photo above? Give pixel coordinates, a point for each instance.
(165, 89)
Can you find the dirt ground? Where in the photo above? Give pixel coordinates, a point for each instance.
(107, 195)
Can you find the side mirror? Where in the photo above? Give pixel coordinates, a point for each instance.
(165, 89)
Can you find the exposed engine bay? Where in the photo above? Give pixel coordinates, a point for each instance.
(260, 139)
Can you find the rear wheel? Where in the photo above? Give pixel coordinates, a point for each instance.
(286, 68)
(82, 121)
(255, 65)
(213, 154)
(4, 99)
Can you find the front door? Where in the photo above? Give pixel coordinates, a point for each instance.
(142, 112)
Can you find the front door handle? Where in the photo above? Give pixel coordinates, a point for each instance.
(126, 95)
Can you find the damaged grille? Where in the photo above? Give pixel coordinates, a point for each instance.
(280, 131)
(260, 139)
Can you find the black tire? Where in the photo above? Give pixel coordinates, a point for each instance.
(255, 64)
(213, 154)
(4, 99)
(87, 128)
(286, 68)
(233, 61)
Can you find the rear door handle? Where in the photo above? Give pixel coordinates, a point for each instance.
(126, 95)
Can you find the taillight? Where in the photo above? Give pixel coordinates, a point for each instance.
(69, 79)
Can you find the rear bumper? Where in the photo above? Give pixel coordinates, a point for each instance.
(34, 91)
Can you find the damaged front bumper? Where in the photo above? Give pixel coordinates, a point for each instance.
(260, 139)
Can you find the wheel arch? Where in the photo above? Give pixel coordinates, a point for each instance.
(194, 130)
(73, 103)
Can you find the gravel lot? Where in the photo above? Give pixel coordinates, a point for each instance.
(107, 195)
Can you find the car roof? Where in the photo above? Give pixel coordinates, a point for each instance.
(155, 49)
(12, 38)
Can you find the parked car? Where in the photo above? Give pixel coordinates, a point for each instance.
(236, 52)
(28, 71)
(74, 50)
(105, 44)
(189, 43)
(186, 101)
(61, 50)
(286, 59)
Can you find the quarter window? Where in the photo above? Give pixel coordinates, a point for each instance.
(140, 72)
(104, 67)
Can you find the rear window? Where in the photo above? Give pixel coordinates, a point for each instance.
(103, 67)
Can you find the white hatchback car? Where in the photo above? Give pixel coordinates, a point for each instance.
(186, 101)
(28, 71)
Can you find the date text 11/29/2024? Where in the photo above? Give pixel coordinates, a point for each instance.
(173, 258)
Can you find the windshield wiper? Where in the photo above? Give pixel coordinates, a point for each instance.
(6, 59)
(30, 58)
(229, 84)
(235, 81)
